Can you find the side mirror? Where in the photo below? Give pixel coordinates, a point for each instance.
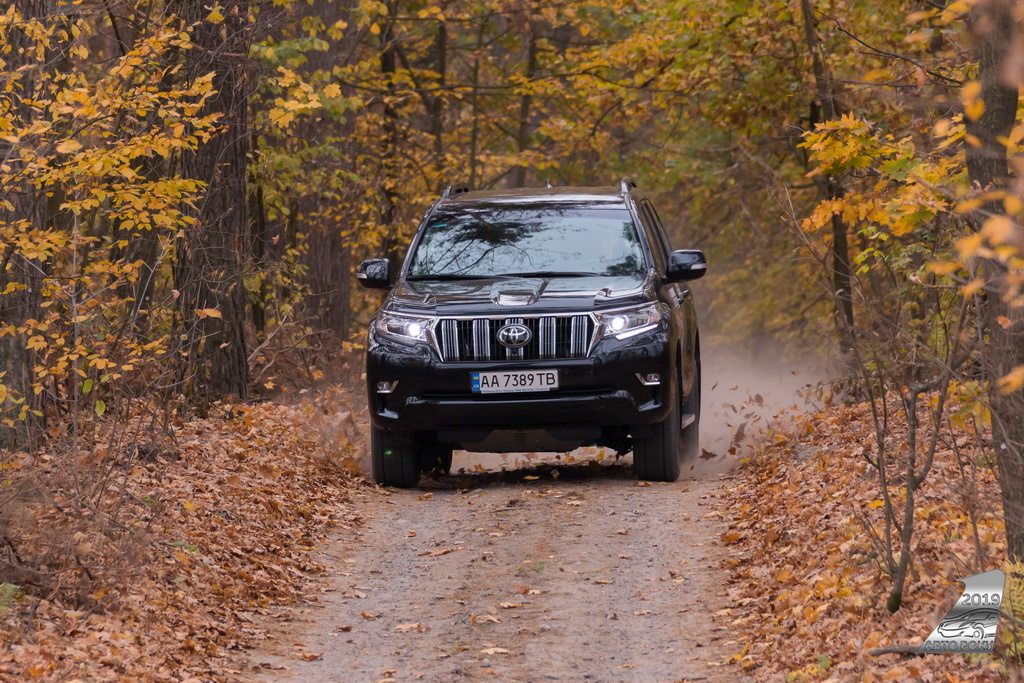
(686, 264)
(374, 273)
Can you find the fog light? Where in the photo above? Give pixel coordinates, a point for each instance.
(651, 379)
(386, 387)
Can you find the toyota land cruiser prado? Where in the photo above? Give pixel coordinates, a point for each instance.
(535, 320)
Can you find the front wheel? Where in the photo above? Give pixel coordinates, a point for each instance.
(395, 462)
(656, 456)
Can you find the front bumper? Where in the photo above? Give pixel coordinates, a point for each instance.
(597, 392)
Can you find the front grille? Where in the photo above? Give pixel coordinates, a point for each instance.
(566, 336)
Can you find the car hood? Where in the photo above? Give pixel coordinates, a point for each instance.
(518, 296)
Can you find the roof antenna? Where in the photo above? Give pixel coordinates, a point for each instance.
(547, 184)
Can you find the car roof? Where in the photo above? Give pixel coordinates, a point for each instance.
(609, 196)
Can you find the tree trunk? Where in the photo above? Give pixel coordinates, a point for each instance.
(211, 255)
(832, 188)
(525, 104)
(31, 210)
(995, 30)
(437, 102)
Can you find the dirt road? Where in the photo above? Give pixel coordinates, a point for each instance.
(529, 575)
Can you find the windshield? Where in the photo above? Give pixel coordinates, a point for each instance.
(525, 241)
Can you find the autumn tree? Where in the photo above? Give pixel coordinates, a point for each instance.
(212, 255)
(996, 27)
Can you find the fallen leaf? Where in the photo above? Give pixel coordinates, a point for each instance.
(494, 651)
(310, 656)
(509, 605)
(415, 626)
(477, 618)
(369, 616)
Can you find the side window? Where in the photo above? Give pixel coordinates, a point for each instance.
(655, 235)
(661, 227)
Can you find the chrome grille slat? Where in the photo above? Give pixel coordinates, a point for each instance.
(449, 340)
(547, 337)
(482, 339)
(554, 336)
(578, 337)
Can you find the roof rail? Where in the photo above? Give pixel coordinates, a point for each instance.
(626, 184)
(454, 189)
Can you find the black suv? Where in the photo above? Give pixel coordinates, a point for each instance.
(535, 320)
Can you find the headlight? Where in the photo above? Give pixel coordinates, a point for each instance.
(630, 322)
(401, 328)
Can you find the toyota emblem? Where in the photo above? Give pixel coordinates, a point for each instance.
(514, 336)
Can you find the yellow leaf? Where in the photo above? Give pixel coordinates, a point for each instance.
(1012, 381)
(333, 90)
(969, 245)
(69, 146)
(943, 267)
(375, 29)
(876, 504)
(974, 109)
(215, 16)
(971, 91)
(997, 229)
(972, 287)
(208, 313)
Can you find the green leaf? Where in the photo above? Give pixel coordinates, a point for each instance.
(101, 407)
(87, 386)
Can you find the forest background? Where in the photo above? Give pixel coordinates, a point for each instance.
(185, 187)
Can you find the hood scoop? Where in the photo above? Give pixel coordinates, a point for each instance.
(517, 293)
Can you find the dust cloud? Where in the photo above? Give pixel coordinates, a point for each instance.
(743, 398)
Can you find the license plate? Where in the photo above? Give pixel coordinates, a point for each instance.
(508, 382)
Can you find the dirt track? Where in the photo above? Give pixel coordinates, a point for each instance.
(503, 576)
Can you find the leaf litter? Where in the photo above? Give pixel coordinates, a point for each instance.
(226, 529)
(808, 590)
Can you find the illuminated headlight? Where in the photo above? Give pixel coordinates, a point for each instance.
(629, 323)
(402, 328)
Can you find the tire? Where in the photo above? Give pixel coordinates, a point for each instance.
(656, 456)
(690, 445)
(394, 462)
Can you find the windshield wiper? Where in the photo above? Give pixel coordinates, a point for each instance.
(452, 276)
(549, 273)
